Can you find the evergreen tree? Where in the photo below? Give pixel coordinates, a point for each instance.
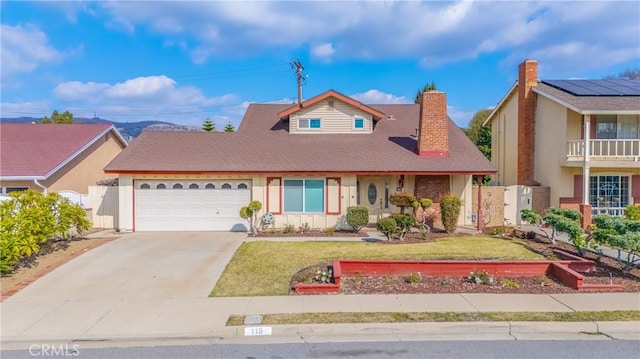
(427, 87)
(61, 118)
(229, 127)
(208, 125)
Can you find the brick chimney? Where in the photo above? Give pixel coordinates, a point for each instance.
(527, 79)
(433, 131)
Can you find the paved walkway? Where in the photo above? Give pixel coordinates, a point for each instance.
(111, 321)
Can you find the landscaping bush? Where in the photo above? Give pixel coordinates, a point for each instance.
(404, 222)
(632, 212)
(387, 226)
(30, 219)
(250, 213)
(402, 200)
(621, 234)
(450, 212)
(357, 217)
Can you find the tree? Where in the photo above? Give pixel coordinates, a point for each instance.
(229, 127)
(561, 220)
(208, 125)
(250, 213)
(427, 87)
(480, 135)
(60, 118)
(621, 234)
(628, 73)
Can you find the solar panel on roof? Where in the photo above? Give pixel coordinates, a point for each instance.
(611, 87)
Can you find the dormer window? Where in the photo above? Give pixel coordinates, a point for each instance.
(309, 123)
(358, 123)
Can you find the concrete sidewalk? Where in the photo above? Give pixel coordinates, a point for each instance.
(137, 320)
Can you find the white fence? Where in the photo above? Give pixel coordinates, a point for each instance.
(103, 201)
(76, 198)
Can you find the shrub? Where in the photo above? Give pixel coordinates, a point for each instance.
(413, 278)
(404, 222)
(330, 230)
(357, 217)
(304, 228)
(402, 200)
(632, 212)
(508, 283)
(481, 277)
(30, 219)
(450, 211)
(387, 226)
(250, 213)
(288, 228)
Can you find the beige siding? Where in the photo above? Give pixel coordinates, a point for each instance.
(338, 119)
(574, 126)
(461, 186)
(86, 169)
(551, 144)
(505, 142)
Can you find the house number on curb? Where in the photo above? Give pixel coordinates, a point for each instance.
(250, 331)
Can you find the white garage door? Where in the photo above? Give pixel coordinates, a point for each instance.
(182, 205)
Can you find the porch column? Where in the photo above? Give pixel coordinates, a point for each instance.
(586, 164)
(479, 219)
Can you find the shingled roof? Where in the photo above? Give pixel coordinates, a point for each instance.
(263, 144)
(36, 151)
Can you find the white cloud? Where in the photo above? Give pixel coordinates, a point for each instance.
(323, 51)
(24, 48)
(459, 116)
(25, 109)
(433, 32)
(378, 97)
(144, 98)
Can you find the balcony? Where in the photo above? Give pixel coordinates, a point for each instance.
(603, 150)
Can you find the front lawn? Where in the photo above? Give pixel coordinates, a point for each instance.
(265, 268)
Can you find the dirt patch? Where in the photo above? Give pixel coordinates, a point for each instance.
(51, 256)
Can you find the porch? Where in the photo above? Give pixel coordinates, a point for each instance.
(605, 149)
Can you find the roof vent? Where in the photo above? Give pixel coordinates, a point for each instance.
(391, 117)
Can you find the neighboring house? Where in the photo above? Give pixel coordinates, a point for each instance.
(53, 157)
(306, 163)
(581, 138)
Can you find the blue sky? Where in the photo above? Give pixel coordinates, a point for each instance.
(184, 62)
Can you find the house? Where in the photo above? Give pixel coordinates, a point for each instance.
(581, 138)
(305, 163)
(55, 157)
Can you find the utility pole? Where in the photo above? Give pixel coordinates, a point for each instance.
(298, 68)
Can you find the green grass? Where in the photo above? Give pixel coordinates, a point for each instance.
(394, 317)
(265, 268)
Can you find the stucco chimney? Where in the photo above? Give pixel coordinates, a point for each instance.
(433, 130)
(527, 80)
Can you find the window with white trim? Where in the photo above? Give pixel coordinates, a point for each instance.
(620, 127)
(303, 195)
(609, 191)
(358, 123)
(309, 123)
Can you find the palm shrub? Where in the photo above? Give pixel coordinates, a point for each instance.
(357, 217)
(450, 210)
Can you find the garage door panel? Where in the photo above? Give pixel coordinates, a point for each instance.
(190, 209)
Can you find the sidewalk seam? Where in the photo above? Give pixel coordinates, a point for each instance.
(559, 301)
(471, 304)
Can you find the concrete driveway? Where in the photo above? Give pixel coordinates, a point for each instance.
(140, 265)
(126, 283)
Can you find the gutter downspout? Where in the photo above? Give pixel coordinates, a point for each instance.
(35, 181)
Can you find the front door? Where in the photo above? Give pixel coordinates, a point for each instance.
(373, 193)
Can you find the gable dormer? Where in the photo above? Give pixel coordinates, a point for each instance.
(331, 112)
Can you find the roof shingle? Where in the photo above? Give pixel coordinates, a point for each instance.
(262, 144)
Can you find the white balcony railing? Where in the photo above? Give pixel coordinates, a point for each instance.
(611, 211)
(605, 149)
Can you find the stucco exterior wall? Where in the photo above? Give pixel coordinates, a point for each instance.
(504, 138)
(551, 142)
(336, 119)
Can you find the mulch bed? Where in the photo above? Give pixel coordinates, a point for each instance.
(606, 271)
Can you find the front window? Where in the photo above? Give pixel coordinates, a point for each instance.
(611, 127)
(304, 195)
(309, 123)
(609, 194)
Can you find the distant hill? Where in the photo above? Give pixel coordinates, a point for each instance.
(129, 130)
